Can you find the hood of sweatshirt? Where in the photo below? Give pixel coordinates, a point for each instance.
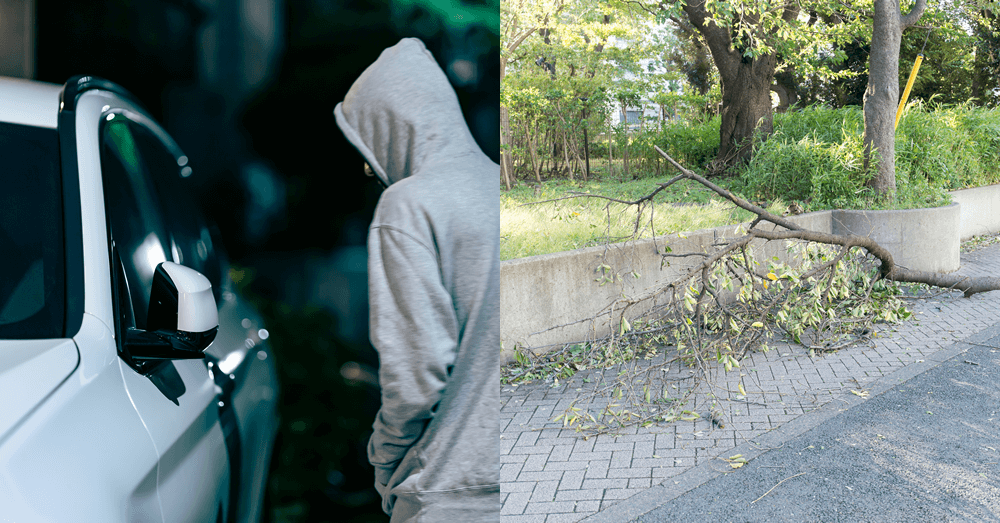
(402, 115)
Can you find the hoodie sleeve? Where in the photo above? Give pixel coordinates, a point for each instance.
(414, 329)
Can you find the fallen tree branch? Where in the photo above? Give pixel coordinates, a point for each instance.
(888, 270)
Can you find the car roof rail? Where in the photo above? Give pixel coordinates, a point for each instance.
(80, 84)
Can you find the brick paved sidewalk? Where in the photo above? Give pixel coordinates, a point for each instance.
(549, 474)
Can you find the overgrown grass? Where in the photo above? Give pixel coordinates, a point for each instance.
(814, 158)
(530, 228)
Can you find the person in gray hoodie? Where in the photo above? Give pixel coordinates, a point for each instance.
(433, 286)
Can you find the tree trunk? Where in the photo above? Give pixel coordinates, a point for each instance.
(611, 166)
(746, 107)
(506, 165)
(533, 151)
(786, 89)
(586, 150)
(566, 156)
(882, 94)
(625, 143)
(746, 82)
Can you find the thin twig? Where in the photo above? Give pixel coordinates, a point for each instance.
(776, 486)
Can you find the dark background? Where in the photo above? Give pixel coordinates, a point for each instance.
(247, 88)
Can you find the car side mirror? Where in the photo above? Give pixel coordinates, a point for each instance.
(183, 317)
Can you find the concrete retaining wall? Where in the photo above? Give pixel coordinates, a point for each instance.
(552, 299)
(919, 239)
(980, 210)
(549, 300)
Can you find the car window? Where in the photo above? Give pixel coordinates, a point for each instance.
(32, 264)
(135, 218)
(190, 239)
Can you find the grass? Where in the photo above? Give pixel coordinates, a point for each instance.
(814, 158)
(528, 228)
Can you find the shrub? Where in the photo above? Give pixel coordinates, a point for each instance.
(815, 156)
(692, 145)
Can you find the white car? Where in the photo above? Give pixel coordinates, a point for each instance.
(134, 384)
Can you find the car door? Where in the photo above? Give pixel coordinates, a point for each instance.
(176, 399)
(238, 362)
(72, 447)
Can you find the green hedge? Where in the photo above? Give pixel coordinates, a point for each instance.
(815, 157)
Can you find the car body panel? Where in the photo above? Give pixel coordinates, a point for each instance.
(91, 439)
(84, 453)
(29, 371)
(184, 428)
(96, 259)
(242, 352)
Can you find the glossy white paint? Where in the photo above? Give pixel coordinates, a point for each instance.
(193, 476)
(29, 103)
(196, 309)
(105, 444)
(83, 455)
(96, 264)
(29, 371)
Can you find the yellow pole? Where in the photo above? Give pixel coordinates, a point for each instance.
(909, 85)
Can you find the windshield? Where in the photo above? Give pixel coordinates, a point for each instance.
(32, 272)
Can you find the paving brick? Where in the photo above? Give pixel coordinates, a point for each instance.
(566, 465)
(540, 476)
(537, 449)
(618, 483)
(529, 518)
(547, 465)
(549, 507)
(517, 486)
(643, 449)
(610, 447)
(583, 445)
(631, 472)
(621, 458)
(535, 462)
(653, 462)
(578, 495)
(560, 453)
(589, 456)
(516, 502)
(639, 483)
(566, 517)
(526, 439)
(506, 444)
(572, 480)
(510, 471)
(544, 491)
(597, 469)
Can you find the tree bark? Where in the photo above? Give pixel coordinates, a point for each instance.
(746, 107)
(786, 88)
(746, 83)
(586, 150)
(882, 94)
(533, 150)
(506, 165)
(611, 167)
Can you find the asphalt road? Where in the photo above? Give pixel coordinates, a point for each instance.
(926, 449)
